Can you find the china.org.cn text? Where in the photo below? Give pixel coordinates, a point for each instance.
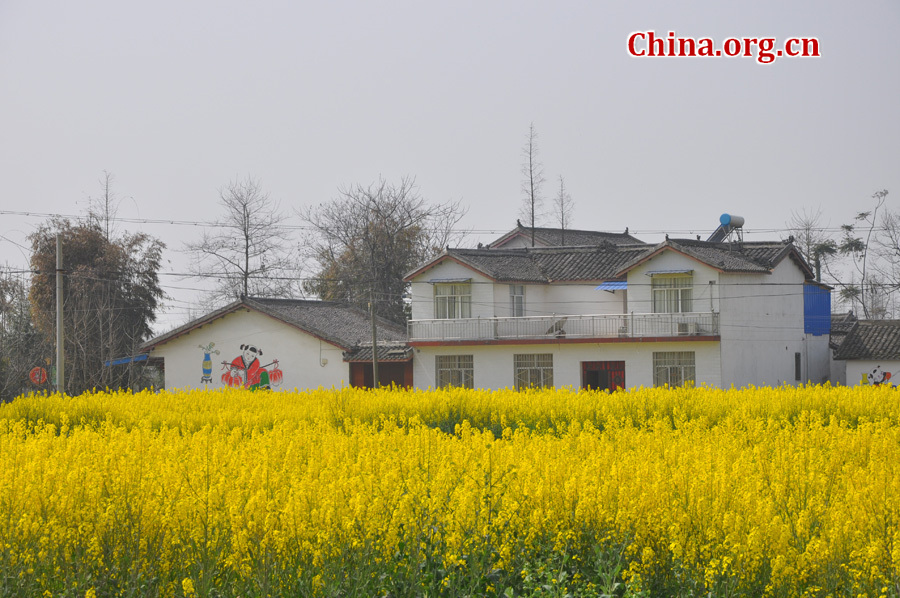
(764, 49)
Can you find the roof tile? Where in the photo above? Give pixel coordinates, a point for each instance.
(339, 323)
(871, 339)
(608, 261)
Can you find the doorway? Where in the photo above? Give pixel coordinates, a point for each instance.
(602, 375)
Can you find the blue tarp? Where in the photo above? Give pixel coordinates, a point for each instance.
(816, 310)
(124, 360)
(613, 285)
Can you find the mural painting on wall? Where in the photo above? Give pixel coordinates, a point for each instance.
(207, 362)
(877, 377)
(245, 371)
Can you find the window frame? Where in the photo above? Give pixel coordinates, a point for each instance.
(672, 293)
(533, 370)
(454, 371)
(517, 300)
(452, 300)
(681, 363)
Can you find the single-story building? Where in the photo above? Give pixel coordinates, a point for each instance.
(870, 352)
(281, 343)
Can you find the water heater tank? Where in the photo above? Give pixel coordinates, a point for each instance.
(730, 220)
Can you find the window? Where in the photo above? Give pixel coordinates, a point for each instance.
(674, 368)
(672, 294)
(798, 369)
(517, 300)
(453, 301)
(454, 370)
(534, 370)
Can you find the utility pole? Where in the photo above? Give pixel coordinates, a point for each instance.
(60, 332)
(374, 341)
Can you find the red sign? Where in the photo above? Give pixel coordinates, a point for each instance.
(38, 375)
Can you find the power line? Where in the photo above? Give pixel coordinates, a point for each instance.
(362, 283)
(503, 230)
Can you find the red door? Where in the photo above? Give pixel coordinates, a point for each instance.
(602, 375)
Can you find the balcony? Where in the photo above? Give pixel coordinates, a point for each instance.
(550, 328)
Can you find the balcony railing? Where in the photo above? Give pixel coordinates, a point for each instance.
(579, 326)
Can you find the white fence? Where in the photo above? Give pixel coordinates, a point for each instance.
(579, 326)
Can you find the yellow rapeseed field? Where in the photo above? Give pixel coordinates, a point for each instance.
(755, 492)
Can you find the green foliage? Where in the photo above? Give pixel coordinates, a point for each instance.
(111, 291)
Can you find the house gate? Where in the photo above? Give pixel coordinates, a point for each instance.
(602, 375)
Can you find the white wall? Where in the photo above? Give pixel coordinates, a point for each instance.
(493, 364)
(560, 299)
(817, 359)
(761, 326)
(857, 369)
(570, 298)
(490, 299)
(705, 289)
(839, 372)
(300, 356)
(422, 292)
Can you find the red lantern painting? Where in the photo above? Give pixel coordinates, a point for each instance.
(245, 371)
(38, 375)
(276, 375)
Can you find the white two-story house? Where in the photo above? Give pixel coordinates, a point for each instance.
(619, 315)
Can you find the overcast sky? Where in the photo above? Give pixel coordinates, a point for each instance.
(178, 98)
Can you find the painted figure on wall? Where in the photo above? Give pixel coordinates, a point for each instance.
(207, 362)
(877, 377)
(245, 371)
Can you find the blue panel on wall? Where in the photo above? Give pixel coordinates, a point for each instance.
(816, 310)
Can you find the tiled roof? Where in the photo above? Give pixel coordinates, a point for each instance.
(338, 323)
(611, 262)
(600, 263)
(871, 339)
(553, 237)
(843, 322)
(729, 257)
(841, 325)
(392, 352)
(501, 264)
(548, 264)
(346, 324)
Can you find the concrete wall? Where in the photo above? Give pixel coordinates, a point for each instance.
(422, 291)
(838, 372)
(761, 323)
(705, 289)
(305, 361)
(817, 359)
(560, 299)
(493, 364)
(490, 299)
(570, 298)
(872, 371)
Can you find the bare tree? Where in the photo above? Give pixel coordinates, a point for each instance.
(866, 289)
(863, 262)
(22, 347)
(563, 208)
(102, 211)
(533, 180)
(248, 248)
(811, 238)
(888, 248)
(369, 237)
